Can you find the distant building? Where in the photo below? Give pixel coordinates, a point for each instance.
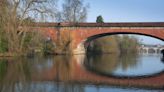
(145, 48)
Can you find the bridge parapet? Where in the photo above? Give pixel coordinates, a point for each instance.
(132, 24)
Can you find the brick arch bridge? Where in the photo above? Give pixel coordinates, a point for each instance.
(83, 32)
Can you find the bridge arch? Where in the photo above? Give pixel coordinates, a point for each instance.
(84, 43)
(117, 33)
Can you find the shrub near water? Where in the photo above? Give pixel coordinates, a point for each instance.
(127, 44)
(3, 46)
(104, 45)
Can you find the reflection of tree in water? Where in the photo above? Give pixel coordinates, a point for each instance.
(16, 72)
(71, 87)
(103, 63)
(127, 61)
(63, 68)
(3, 69)
(108, 63)
(16, 75)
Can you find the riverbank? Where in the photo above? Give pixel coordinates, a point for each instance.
(7, 54)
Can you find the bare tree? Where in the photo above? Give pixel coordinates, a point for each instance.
(33, 8)
(73, 11)
(16, 16)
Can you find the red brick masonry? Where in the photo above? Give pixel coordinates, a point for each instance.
(82, 31)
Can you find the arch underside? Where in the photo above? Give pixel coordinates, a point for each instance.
(116, 33)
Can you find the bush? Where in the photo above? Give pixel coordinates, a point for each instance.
(3, 45)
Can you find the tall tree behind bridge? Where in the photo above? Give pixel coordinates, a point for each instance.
(100, 19)
(73, 11)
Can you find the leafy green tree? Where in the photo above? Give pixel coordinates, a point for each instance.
(127, 44)
(104, 45)
(100, 19)
(124, 44)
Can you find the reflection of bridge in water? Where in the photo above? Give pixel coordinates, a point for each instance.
(57, 69)
(77, 73)
(151, 49)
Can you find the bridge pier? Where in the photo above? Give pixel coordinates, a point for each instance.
(156, 50)
(80, 49)
(78, 52)
(145, 50)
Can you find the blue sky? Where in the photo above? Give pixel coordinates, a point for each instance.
(149, 40)
(128, 11)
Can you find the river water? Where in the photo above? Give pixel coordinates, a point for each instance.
(76, 73)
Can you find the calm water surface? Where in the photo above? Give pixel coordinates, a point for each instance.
(126, 65)
(62, 73)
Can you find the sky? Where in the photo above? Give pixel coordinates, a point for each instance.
(128, 11)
